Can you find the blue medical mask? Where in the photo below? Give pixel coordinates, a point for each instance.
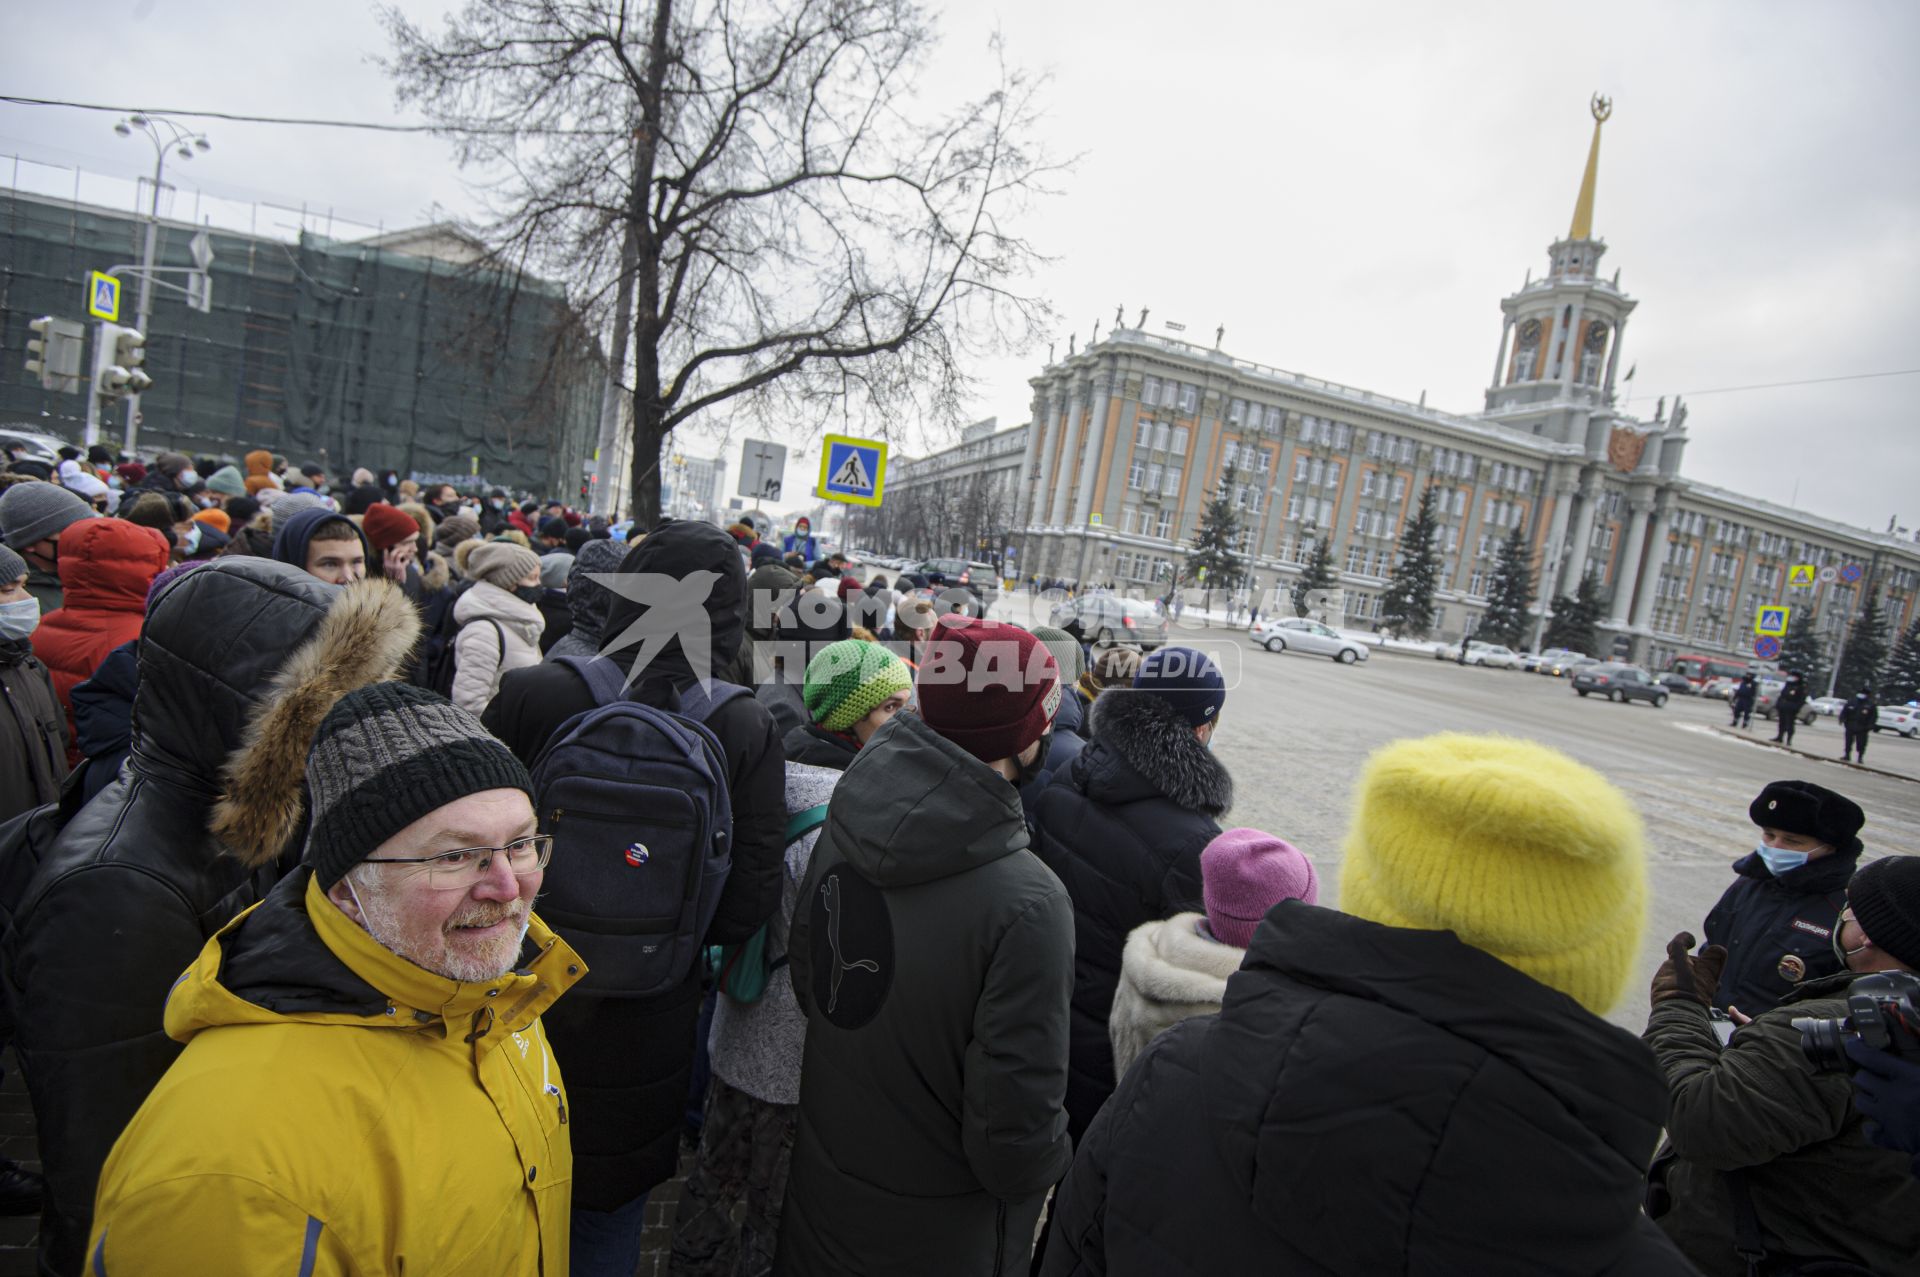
(189, 477)
(1779, 860)
(191, 542)
(19, 619)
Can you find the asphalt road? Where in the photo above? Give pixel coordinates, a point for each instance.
(1296, 730)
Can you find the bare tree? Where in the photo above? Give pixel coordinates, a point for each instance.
(796, 244)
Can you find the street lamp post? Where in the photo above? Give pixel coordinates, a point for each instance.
(183, 143)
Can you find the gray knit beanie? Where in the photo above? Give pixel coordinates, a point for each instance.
(502, 563)
(554, 569)
(386, 755)
(32, 512)
(12, 567)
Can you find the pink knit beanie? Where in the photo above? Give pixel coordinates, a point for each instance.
(1244, 873)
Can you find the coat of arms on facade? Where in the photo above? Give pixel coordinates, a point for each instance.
(1624, 447)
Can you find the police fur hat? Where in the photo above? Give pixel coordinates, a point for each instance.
(1802, 807)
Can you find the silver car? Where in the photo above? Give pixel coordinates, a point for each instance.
(1301, 635)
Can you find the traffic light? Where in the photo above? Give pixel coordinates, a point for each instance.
(53, 352)
(117, 356)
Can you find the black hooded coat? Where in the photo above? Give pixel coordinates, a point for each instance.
(628, 1061)
(1123, 827)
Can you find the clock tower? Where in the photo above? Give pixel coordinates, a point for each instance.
(1560, 342)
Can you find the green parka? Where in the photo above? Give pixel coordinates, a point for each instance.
(1757, 1106)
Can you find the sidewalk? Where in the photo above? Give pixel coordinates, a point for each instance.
(1910, 777)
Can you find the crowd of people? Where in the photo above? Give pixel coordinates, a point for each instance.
(393, 879)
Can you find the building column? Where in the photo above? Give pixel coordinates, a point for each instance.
(1043, 461)
(1650, 579)
(1562, 490)
(1500, 359)
(1099, 408)
(1626, 583)
(1570, 347)
(1580, 539)
(1063, 482)
(1613, 356)
(1023, 482)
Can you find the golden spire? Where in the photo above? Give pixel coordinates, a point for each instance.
(1583, 207)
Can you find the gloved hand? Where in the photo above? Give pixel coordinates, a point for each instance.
(1695, 978)
(1886, 1090)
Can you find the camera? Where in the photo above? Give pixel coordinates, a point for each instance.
(1881, 1013)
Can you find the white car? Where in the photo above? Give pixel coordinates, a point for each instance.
(1827, 705)
(1491, 655)
(1904, 719)
(1298, 634)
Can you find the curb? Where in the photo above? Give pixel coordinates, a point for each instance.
(1730, 734)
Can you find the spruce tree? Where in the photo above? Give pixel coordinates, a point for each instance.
(1866, 650)
(1316, 575)
(1574, 618)
(1900, 680)
(1802, 652)
(1406, 605)
(1213, 541)
(1510, 594)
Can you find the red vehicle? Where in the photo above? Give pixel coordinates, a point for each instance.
(1698, 669)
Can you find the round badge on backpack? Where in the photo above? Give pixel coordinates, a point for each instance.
(637, 854)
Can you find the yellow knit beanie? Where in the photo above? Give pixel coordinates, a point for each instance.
(1517, 849)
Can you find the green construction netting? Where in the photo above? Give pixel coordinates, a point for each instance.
(323, 350)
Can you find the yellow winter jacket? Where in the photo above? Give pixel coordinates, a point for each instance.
(339, 1110)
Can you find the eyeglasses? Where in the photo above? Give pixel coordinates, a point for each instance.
(466, 867)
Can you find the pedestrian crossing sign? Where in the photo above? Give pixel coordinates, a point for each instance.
(103, 297)
(1771, 621)
(1800, 576)
(853, 470)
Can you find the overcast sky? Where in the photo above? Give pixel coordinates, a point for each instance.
(1348, 188)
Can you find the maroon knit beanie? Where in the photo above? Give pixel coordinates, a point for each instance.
(989, 687)
(386, 526)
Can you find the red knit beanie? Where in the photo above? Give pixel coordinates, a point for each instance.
(387, 527)
(989, 687)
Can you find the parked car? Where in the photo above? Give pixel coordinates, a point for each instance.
(1108, 618)
(1677, 684)
(1769, 693)
(1568, 666)
(1903, 719)
(1491, 655)
(1618, 683)
(1556, 661)
(1542, 662)
(34, 445)
(1829, 706)
(1298, 634)
(1719, 689)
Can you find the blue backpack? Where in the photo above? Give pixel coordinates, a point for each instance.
(636, 800)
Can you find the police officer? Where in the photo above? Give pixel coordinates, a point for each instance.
(1857, 718)
(1776, 921)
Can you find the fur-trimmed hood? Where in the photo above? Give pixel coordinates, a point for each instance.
(1140, 746)
(367, 636)
(1169, 972)
(437, 574)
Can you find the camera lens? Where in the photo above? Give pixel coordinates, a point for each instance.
(1824, 1043)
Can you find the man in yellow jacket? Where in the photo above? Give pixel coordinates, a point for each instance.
(366, 1088)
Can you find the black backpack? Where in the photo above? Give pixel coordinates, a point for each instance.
(434, 669)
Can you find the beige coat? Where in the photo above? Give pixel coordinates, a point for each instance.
(1169, 972)
(482, 654)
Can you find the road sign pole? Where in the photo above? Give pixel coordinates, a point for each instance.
(144, 311)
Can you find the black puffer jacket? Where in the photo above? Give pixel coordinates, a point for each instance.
(195, 829)
(932, 955)
(33, 732)
(1372, 1100)
(1124, 827)
(1778, 932)
(628, 1061)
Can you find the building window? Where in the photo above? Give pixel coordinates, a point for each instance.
(1333, 475)
(1143, 433)
(1356, 558)
(1459, 502)
(1164, 525)
(1299, 467)
(1136, 471)
(1366, 483)
(1160, 433)
(1477, 585)
(1236, 412)
(1399, 487)
(1153, 478)
(1189, 398)
(1150, 391)
(1180, 440)
(1293, 509)
(1172, 485)
(1276, 418)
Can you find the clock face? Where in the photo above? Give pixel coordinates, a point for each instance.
(1530, 333)
(1596, 336)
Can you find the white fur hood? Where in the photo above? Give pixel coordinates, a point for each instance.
(1169, 971)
